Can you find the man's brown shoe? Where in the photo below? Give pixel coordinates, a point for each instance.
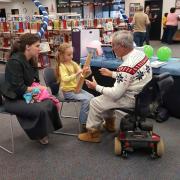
(92, 135)
(109, 125)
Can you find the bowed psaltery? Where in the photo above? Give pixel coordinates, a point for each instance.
(83, 74)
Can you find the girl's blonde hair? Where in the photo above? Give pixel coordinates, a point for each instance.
(60, 56)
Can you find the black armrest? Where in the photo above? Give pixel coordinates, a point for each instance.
(129, 111)
(161, 76)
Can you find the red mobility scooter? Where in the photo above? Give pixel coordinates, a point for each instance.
(135, 131)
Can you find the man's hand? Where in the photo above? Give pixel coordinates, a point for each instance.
(91, 84)
(105, 72)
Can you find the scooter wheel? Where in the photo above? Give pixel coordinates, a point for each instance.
(117, 147)
(160, 148)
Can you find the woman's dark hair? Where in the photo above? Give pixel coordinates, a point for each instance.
(25, 39)
(172, 10)
(20, 45)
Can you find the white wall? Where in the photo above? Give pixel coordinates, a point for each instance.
(5, 0)
(167, 4)
(29, 5)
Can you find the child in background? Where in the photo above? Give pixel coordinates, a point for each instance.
(164, 20)
(68, 74)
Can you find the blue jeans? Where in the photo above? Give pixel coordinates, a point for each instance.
(164, 36)
(139, 38)
(170, 30)
(84, 98)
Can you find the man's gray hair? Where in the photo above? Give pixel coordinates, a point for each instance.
(123, 38)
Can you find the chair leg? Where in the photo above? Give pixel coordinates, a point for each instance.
(77, 117)
(77, 114)
(73, 117)
(63, 133)
(12, 139)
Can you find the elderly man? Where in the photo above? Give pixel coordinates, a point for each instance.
(131, 76)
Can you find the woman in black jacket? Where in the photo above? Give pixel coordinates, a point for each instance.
(37, 119)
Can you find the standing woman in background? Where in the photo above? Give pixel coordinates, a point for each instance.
(148, 26)
(171, 25)
(152, 18)
(37, 119)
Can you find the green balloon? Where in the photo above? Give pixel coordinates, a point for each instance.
(164, 53)
(148, 50)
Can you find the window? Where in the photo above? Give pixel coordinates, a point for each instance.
(14, 11)
(63, 6)
(105, 11)
(76, 6)
(91, 8)
(2, 13)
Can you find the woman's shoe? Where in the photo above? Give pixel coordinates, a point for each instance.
(44, 140)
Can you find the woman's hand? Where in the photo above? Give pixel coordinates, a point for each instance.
(30, 89)
(105, 72)
(91, 84)
(41, 87)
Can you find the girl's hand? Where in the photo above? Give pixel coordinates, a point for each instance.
(79, 72)
(91, 84)
(105, 72)
(87, 70)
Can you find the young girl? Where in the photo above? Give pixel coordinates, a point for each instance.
(68, 74)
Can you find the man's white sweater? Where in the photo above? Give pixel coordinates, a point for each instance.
(131, 76)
